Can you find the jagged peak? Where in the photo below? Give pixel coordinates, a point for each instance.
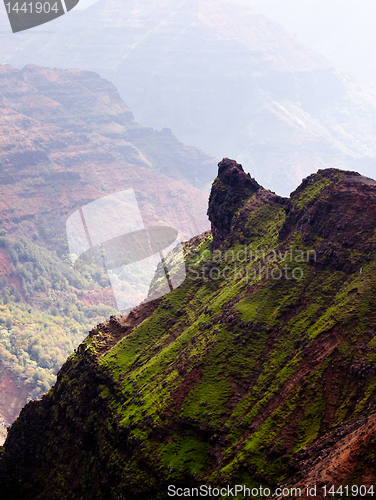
(232, 173)
(229, 191)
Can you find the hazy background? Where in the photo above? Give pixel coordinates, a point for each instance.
(341, 30)
(285, 92)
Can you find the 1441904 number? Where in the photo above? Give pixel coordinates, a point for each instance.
(26, 8)
(353, 491)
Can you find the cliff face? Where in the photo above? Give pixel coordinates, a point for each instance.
(259, 370)
(223, 77)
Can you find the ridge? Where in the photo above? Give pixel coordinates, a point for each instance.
(260, 369)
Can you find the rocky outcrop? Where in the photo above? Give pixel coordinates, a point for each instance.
(329, 207)
(229, 192)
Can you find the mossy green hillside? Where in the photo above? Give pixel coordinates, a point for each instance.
(223, 380)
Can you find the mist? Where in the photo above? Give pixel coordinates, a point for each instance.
(342, 31)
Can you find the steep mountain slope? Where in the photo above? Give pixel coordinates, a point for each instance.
(258, 370)
(223, 77)
(66, 139)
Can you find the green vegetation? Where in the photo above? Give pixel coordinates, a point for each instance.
(38, 269)
(312, 190)
(220, 381)
(41, 318)
(35, 344)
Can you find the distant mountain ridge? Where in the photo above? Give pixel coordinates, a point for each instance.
(246, 374)
(223, 77)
